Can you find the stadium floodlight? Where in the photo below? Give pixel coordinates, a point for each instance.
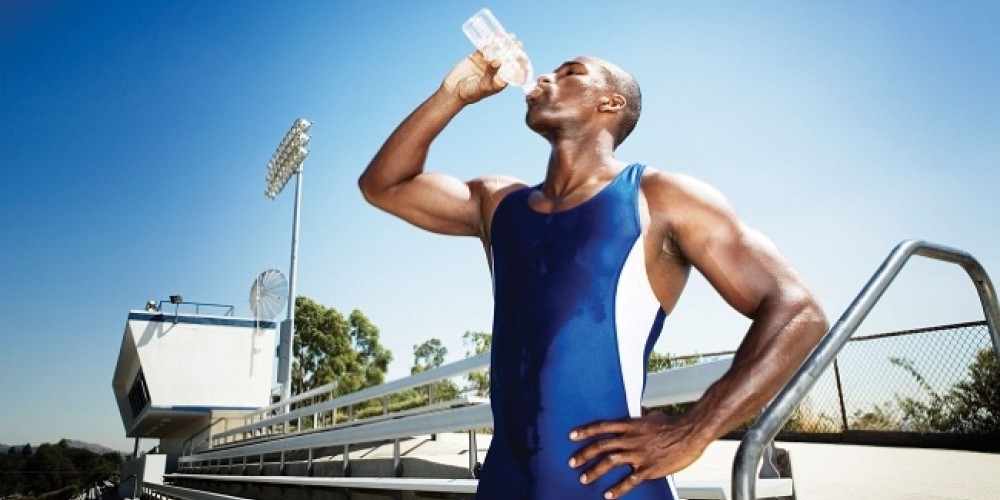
(287, 161)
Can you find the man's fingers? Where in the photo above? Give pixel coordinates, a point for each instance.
(635, 477)
(491, 74)
(625, 443)
(610, 461)
(478, 58)
(594, 450)
(490, 67)
(474, 78)
(599, 428)
(614, 449)
(626, 485)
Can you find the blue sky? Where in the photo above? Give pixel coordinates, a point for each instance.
(134, 140)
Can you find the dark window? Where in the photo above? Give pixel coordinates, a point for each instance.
(138, 395)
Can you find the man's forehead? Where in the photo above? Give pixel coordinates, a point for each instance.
(590, 62)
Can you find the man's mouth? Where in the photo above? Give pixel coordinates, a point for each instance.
(534, 96)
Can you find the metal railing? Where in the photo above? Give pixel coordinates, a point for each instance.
(264, 419)
(227, 309)
(678, 385)
(751, 449)
(170, 492)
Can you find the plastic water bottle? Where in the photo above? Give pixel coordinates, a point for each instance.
(488, 35)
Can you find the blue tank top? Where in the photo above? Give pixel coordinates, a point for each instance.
(574, 322)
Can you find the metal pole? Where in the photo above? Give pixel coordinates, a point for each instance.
(473, 453)
(840, 395)
(286, 391)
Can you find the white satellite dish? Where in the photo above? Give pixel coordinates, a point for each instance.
(268, 294)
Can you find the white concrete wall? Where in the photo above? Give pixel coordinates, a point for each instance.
(204, 365)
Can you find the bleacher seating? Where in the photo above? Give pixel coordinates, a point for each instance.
(254, 454)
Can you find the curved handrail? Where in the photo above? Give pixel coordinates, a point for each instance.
(751, 448)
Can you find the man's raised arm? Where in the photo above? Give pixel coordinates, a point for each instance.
(395, 180)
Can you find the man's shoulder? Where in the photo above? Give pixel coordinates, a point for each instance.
(495, 182)
(657, 183)
(490, 190)
(493, 188)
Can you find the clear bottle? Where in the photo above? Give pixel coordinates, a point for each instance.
(489, 36)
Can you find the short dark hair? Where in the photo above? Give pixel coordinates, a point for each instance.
(622, 82)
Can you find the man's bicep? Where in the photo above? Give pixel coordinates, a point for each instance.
(436, 202)
(739, 262)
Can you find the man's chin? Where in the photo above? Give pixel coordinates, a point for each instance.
(538, 124)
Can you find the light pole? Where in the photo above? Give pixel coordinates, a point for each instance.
(287, 160)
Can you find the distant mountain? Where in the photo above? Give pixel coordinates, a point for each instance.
(96, 448)
(72, 443)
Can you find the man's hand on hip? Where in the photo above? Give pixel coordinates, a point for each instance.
(654, 446)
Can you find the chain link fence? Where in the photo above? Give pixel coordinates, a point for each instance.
(931, 387)
(909, 381)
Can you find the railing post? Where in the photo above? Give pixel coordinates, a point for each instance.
(473, 454)
(397, 469)
(840, 395)
(751, 449)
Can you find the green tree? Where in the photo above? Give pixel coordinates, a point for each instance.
(50, 469)
(55, 471)
(480, 343)
(89, 464)
(330, 348)
(933, 415)
(113, 459)
(971, 405)
(976, 399)
(430, 355)
(11, 478)
(372, 357)
(26, 451)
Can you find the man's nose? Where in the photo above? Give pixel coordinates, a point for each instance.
(547, 78)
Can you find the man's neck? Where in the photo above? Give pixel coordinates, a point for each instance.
(574, 165)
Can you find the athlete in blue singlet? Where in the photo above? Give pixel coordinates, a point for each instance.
(586, 266)
(575, 320)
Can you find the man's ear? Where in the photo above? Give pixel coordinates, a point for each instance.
(613, 103)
